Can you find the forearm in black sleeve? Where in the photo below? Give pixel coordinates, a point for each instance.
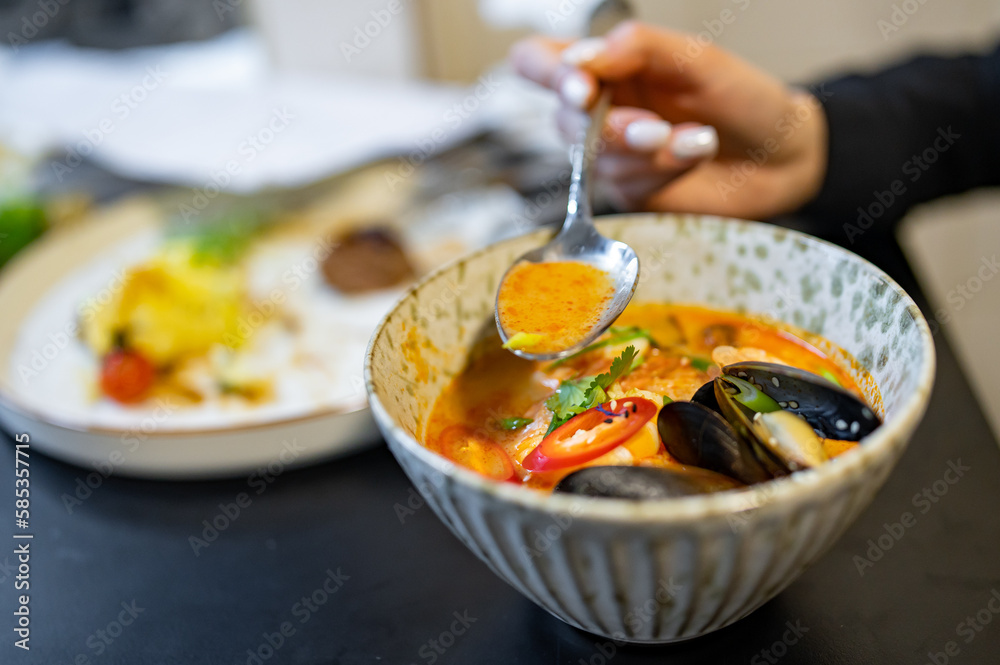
(924, 129)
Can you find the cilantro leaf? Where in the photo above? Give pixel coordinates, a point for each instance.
(571, 398)
(620, 366)
(567, 401)
(513, 423)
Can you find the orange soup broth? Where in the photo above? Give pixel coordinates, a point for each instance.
(497, 384)
(560, 301)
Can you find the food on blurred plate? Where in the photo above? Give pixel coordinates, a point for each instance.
(366, 260)
(175, 320)
(236, 319)
(551, 306)
(675, 400)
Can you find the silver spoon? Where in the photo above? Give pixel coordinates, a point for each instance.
(578, 239)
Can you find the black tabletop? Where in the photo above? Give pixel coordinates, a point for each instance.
(342, 563)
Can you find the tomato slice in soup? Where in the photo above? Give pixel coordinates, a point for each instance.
(591, 434)
(466, 447)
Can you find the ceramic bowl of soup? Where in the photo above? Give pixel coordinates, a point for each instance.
(651, 570)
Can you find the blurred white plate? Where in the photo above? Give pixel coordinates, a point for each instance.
(41, 290)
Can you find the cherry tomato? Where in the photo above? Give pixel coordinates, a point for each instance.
(126, 376)
(476, 451)
(610, 428)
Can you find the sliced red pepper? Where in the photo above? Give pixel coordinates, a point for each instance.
(612, 427)
(476, 451)
(126, 376)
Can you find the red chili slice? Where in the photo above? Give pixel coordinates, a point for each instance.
(611, 428)
(475, 451)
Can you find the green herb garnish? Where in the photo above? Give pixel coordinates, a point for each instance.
(699, 363)
(617, 336)
(21, 221)
(666, 400)
(222, 240)
(513, 423)
(576, 396)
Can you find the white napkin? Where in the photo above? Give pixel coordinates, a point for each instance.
(213, 114)
(559, 18)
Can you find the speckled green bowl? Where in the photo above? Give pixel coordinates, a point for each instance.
(660, 571)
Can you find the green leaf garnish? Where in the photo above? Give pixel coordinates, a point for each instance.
(222, 240)
(571, 398)
(513, 423)
(699, 363)
(22, 220)
(666, 400)
(617, 336)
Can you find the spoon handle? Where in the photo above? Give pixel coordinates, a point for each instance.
(589, 143)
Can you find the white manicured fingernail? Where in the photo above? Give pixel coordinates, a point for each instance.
(647, 134)
(584, 50)
(695, 142)
(575, 89)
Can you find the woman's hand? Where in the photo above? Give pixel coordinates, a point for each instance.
(691, 129)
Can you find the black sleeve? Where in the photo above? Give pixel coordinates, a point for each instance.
(915, 132)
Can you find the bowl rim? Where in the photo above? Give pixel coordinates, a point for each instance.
(801, 485)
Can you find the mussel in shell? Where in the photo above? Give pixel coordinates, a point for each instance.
(641, 483)
(789, 439)
(782, 441)
(755, 422)
(832, 411)
(697, 436)
(706, 397)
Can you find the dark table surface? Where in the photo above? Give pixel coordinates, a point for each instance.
(324, 553)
